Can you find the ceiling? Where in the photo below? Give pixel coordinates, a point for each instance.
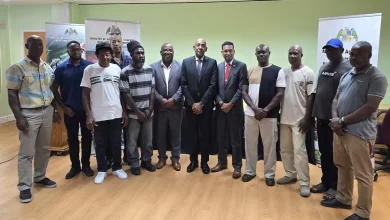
(116, 1)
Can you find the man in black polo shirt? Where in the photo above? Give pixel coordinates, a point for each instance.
(327, 83)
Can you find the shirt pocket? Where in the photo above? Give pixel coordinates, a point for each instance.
(29, 81)
(48, 78)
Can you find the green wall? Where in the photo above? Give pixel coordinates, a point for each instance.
(278, 24)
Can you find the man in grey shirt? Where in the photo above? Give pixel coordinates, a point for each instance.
(354, 121)
(327, 83)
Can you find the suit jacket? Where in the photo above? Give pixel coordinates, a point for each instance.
(199, 88)
(173, 84)
(232, 91)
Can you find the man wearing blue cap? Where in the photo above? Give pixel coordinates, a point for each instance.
(327, 83)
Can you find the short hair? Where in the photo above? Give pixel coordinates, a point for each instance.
(72, 42)
(364, 45)
(227, 43)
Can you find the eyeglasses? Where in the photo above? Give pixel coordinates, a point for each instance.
(76, 50)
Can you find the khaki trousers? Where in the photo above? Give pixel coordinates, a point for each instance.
(34, 143)
(352, 158)
(294, 154)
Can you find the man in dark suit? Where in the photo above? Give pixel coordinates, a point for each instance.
(199, 78)
(168, 107)
(230, 111)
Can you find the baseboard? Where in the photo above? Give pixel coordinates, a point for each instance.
(7, 118)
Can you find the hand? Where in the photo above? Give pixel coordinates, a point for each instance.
(334, 124)
(148, 113)
(339, 132)
(197, 108)
(169, 103)
(220, 103)
(125, 119)
(68, 111)
(141, 116)
(226, 107)
(259, 113)
(91, 123)
(22, 124)
(164, 102)
(304, 124)
(56, 118)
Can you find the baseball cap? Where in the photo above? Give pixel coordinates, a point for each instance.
(103, 45)
(335, 43)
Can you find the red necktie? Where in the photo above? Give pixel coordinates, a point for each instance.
(227, 69)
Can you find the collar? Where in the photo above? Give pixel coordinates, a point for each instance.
(365, 71)
(202, 59)
(82, 62)
(163, 65)
(269, 64)
(28, 60)
(231, 63)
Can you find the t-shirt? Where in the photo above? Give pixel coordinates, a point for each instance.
(299, 85)
(254, 80)
(327, 83)
(105, 96)
(352, 94)
(139, 85)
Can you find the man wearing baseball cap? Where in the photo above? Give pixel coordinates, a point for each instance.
(327, 83)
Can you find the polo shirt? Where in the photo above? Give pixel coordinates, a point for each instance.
(352, 94)
(68, 77)
(33, 82)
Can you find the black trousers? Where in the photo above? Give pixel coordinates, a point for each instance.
(72, 125)
(108, 136)
(108, 152)
(199, 129)
(229, 133)
(325, 142)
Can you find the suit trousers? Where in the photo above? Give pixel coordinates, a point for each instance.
(34, 143)
(325, 142)
(352, 158)
(294, 154)
(199, 126)
(169, 122)
(268, 129)
(229, 131)
(72, 125)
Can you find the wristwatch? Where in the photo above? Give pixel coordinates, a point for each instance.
(55, 110)
(341, 121)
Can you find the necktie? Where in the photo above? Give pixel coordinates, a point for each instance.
(227, 69)
(199, 65)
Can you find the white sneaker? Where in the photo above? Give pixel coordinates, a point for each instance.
(100, 177)
(120, 174)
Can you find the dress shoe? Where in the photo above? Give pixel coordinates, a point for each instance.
(219, 167)
(356, 217)
(319, 188)
(72, 173)
(148, 166)
(236, 173)
(205, 168)
(87, 171)
(334, 203)
(176, 165)
(330, 194)
(192, 166)
(270, 181)
(136, 171)
(160, 164)
(247, 177)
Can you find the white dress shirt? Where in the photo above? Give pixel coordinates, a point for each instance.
(167, 71)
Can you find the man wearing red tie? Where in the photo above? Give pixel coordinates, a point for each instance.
(231, 74)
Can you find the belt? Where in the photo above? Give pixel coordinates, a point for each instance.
(37, 108)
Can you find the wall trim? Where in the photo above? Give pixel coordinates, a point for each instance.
(7, 118)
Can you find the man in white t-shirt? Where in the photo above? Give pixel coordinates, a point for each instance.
(295, 120)
(101, 101)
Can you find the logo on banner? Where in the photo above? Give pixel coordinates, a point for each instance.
(71, 31)
(347, 35)
(113, 30)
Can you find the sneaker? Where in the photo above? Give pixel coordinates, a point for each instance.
(148, 166)
(120, 174)
(87, 171)
(72, 173)
(100, 177)
(136, 171)
(287, 180)
(305, 191)
(25, 196)
(47, 183)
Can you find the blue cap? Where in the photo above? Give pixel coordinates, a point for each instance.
(334, 42)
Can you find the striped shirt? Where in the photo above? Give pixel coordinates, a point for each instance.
(139, 85)
(32, 81)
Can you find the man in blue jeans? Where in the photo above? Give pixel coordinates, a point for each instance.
(68, 77)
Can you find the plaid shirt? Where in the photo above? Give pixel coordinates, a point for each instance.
(32, 81)
(125, 60)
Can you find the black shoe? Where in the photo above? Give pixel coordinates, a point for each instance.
(87, 171)
(205, 168)
(192, 166)
(319, 188)
(72, 173)
(334, 203)
(356, 217)
(148, 166)
(270, 182)
(247, 178)
(47, 183)
(136, 171)
(25, 196)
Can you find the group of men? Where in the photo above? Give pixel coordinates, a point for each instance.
(122, 94)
